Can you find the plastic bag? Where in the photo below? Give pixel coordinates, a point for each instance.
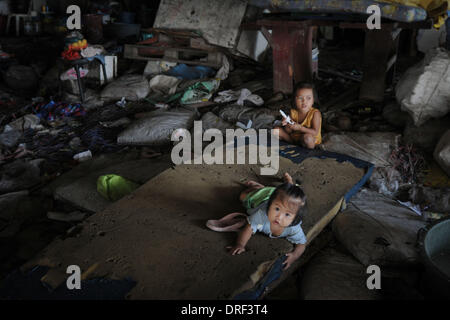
(200, 91)
(442, 152)
(132, 87)
(262, 118)
(156, 128)
(210, 120)
(114, 187)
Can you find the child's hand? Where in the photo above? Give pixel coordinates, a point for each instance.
(295, 126)
(237, 249)
(291, 257)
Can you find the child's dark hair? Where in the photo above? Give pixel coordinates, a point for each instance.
(292, 191)
(303, 85)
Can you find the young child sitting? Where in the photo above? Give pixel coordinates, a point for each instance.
(277, 212)
(306, 129)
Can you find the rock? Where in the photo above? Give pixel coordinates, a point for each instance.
(20, 78)
(374, 147)
(334, 275)
(378, 230)
(132, 87)
(20, 175)
(426, 136)
(442, 152)
(394, 115)
(424, 89)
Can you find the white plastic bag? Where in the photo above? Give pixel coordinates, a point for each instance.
(156, 128)
(132, 87)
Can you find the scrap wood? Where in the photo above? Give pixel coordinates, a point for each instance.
(173, 32)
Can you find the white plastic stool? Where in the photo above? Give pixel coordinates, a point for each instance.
(17, 16)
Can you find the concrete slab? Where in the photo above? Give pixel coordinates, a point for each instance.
(157, 235)
(218, 21)
(79, 186)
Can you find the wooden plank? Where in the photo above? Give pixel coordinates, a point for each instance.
(354, 25)
(132, 52)
(184, 49)
(283, 23)
(302, 54)
(198, 63)
(378, 45)
(282, 64)
(311, 249)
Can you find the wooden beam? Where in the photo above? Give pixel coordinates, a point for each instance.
(283, 23)
(377, 47)
(344, 25)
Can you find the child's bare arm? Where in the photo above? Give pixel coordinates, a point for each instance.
(294, 255)
(242, 239)
(286, 126)
(315, 125)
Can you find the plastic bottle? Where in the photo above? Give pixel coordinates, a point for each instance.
(83, 156)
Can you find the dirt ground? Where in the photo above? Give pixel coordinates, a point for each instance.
(157, 236)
